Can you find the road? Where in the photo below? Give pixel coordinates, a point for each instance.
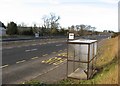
(13, 55)
(23, 63)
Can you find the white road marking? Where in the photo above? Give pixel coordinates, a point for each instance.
(45, 54)
(26, 45)
(34, 44)
(20, 61)
(31, 50)
(19, 46)
(9, 47)
(27, 50)
(59, 45)
(4, 66)
(34, 57)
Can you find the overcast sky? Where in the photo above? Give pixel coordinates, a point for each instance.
(102, 14)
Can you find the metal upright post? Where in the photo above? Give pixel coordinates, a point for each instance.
(88, 61)
(67, 58)
(93, 57)
(74, 61)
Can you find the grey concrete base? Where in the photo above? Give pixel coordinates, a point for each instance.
(78, 74)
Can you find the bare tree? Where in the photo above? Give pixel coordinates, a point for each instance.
(46, 21)
(54, 21)
(78, 27)
(51, 22)
(88, 27)
(93, 29)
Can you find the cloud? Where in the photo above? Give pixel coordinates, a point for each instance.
(110, 1)
(29, 11)
(55, 2)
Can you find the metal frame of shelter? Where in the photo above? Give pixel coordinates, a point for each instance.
(89, 60)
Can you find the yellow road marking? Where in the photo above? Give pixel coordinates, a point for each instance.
(43, 61)
(59, 62)
(62, 54)
(34, 58)
(55, 60)
(3, 66)
(59, 54)
(45, 54)
(51, 60)
(53, 52)
(56, 63)
(20, 61)
(65, 49)
(23, 83)
(60, 50)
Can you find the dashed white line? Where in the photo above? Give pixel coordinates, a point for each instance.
(31, 50)
(45, 54)
(27, 50)
(34, 44)
(19, 46)
(34, 57)
(20, 61)
(26, 45)
(9, 47)
(59, 45)
(3, 66)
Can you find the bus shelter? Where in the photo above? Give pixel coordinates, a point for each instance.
(81, 58)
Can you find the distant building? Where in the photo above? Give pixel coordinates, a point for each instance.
(2, 29)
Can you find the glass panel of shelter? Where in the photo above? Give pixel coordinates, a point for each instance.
(78, 56)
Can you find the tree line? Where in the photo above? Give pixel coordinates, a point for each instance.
(50, 27)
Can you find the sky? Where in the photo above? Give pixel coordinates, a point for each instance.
(102, 14)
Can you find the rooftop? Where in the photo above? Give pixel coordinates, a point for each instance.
(82, 41)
